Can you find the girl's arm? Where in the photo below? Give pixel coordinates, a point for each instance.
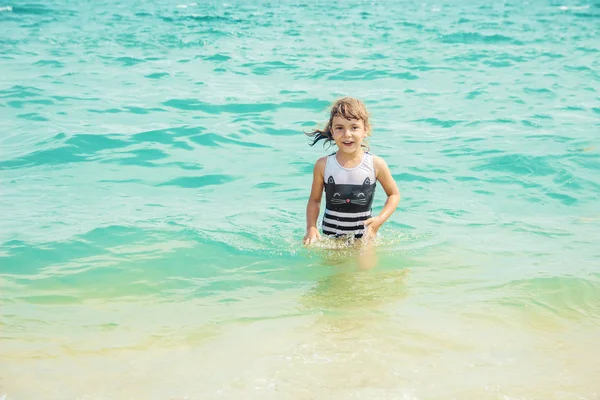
(384, 176)
(314, 202)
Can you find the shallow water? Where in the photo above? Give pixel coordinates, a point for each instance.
(154, 175)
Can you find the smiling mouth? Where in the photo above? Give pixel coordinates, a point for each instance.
(348, 143)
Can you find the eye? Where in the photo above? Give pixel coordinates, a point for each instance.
(336, 194)
(360, 194)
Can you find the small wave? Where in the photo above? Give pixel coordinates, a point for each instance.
(157, 75)
(242, 108)
(589, 50)
(552, 55)
(211, 18)
(563, 198)
(369, 74)
(196, 105)
(530, 90)
(518, 164)
(439, 122)
(542, 116)
(34, 9)
(426, 68)
(48, 299)
(33, 117)
(6, 8)
(61, 155)
(169, 135)
(78, 148)
(473, 37)
(194, 182)
(49, 63)
(216, 57)
(129, 61)
(141, 157)
(498, 64)
(142, 110)
(406, 177)
(214, 140)
(107, 111)
(587, 15)
(21, 104)
(530, 124)
(576, 8)
(562, 296)
(75, 98)
(266, 68)
(492, 121)
(20, 92)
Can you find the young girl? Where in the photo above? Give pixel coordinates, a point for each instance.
(348, 177)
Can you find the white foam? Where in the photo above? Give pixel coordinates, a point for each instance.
(6, 8)
(576, 8)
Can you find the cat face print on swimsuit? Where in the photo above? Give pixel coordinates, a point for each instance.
(349, 198)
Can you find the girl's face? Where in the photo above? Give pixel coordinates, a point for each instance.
(348, 134)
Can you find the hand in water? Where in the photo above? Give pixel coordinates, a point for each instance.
(372, 225)
(312, 235)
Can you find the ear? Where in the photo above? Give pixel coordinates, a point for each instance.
(331, 180)
(367, 181)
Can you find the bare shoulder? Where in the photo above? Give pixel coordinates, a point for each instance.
(320, 165)
(379, 164)
(321, 161)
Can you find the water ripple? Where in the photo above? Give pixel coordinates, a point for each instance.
(474, 37)
(199, 181)
(518, 164)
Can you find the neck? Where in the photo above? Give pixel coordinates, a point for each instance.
(350, 158)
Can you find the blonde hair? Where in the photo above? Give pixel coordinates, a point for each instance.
(346, 107)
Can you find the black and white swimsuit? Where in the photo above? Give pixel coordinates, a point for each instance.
(348, 196)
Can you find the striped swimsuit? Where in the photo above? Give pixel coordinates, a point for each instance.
(348, 197)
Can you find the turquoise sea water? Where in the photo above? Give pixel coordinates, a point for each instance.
(154, 176)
